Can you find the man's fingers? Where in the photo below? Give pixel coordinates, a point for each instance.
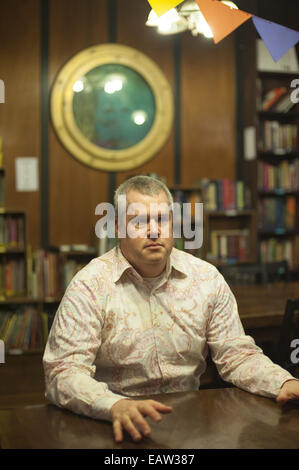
(141, 423)
(161, 407)
(148, 410)
(117, 429)
(130, 428)
(151, 408)
(129, 415)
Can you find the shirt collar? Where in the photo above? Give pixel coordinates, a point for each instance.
(121, 264)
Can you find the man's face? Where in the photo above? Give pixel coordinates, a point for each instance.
(151, 221)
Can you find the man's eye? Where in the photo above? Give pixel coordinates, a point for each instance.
(142, 221)
(164, 219)
(139, 222)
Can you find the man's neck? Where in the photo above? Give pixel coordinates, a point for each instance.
(147, 270)
(150, 273)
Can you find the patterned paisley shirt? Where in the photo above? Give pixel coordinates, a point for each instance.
(117, 335)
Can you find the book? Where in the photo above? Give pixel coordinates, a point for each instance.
(284, 105)
(272, 97)
(21, 329)
(290, 213)
(226, 194)
(273, 250)
(230, 245)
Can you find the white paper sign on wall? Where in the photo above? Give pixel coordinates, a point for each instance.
(27, 174)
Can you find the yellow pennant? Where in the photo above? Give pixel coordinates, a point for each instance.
(162, 6)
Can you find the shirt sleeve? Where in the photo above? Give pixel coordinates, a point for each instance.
(73, 343)
(238, 359)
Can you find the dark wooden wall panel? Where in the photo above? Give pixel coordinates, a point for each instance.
(75, 189)
(131, 31)
(20, 115)
(208, 109)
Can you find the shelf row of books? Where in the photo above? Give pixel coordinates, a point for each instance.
(12, 231)
(273, 250)
(278, 138)
(49, 273)
(181, 196)
(229, 246)
(44, 276)
(12, 278)
(24, 329)
(277, 100)
(225, 195)
(191, 197)
(276, 214)
(284, 176)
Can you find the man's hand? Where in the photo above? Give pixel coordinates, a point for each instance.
(129, 415)
(288, 391)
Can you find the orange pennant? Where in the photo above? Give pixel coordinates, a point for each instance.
(221, 18)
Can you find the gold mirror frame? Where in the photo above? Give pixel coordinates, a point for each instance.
(76, 143)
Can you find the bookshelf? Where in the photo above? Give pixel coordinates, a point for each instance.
(20, 322)
(230, 237)
(26, 319)
(229, 223)
(12, 254)
(274, 175)
(272, 170)
(186, 194)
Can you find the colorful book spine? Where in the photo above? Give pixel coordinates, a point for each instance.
(229, 246)
(278, 138)
(281, 177)
(273, 250)
(225, 195)
(277, 214)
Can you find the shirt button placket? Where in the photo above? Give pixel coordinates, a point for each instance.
(156, 324)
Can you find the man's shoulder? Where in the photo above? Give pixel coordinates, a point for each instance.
(192, 264)
(101, 267)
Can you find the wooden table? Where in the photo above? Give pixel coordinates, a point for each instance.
(206, 419)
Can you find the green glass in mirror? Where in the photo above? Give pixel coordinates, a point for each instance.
(113, 106)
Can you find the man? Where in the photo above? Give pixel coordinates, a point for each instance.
(139, 320)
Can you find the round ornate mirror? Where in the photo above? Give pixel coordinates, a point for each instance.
(112, 107)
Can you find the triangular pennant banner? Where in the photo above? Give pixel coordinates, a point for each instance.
(278, 39)
(162, 6)
(221, 18)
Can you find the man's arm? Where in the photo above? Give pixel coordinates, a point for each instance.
(238, 359)
(72, 346)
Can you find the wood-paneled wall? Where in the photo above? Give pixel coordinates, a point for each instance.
(207, 106)
(208, 103)
(207, 109)
(75, 190)
(20, 114)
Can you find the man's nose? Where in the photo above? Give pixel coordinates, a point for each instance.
(154, 229)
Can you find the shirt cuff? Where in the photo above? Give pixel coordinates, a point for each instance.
(103, 405)
(282, 380)
(287, 380)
